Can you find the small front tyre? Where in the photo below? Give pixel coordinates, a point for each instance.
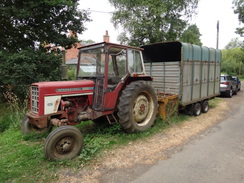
(64, 142)
(28, 128)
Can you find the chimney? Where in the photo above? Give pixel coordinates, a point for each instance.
(72, 34)
(106, 37)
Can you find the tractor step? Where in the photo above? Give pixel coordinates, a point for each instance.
(111, 119)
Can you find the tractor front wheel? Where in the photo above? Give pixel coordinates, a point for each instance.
(137, 107)
(28, 128)
(64, 142)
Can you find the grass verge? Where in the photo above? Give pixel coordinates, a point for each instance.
(22, 160)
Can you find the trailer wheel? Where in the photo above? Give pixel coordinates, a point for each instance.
(197, 109)
(189, 109)
(64, 142)
(28, 128)
(205, 106)
(137, 107)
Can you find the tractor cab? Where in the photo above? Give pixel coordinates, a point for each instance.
(109, 66)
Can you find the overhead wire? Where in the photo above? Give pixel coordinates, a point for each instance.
(97, 11)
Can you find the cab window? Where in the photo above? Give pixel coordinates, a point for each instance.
(134, 61)
(116, 65)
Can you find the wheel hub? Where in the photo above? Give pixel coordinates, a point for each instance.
(65, 145)
(141, 108)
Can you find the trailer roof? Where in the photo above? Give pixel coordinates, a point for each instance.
(178, 51)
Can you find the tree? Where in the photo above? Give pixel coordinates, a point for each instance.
(233, 57)
(20, 69)
(26, 27)
(239, 9)
(87, 42)
(191, 35)
(234, 43)
(150, 21)
(27, 23)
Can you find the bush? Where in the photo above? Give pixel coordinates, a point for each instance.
(12, 111)
(72, 72)
(20, 69)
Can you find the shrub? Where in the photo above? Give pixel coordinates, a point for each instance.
(20, 69)
(12, 111)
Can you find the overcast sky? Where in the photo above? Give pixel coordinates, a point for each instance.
(209, 12)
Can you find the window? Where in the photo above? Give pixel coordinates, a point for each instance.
(92, 62)
(116, 66)
(223, 78)
(134, 61)
(117, 62)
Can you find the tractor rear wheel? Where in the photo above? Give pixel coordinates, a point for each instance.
(137, 107)
(28, 128)
(64, 142)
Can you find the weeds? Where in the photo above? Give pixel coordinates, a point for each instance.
(13, 111)
(213, 103)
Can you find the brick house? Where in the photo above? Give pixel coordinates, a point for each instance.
(71, 55)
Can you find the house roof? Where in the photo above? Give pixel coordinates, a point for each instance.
(84, 60)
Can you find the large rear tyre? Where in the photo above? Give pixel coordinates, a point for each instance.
(28, 128)
(137, 107)
(64, 142)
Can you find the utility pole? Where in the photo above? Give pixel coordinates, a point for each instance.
(217, 44)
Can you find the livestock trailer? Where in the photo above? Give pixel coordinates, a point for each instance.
(192, 72)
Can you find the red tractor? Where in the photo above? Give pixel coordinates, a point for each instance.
(111, 86)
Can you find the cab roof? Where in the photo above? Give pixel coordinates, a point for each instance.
(109, 44)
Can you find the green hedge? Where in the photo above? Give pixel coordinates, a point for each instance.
(20, 69)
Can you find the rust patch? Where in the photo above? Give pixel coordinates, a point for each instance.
(56, 105)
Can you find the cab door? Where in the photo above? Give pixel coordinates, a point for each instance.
(116, 71)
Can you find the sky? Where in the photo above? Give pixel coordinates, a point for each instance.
(208, 13)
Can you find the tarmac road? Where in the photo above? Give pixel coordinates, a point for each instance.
(216, 156)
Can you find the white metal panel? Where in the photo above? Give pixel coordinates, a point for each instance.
(51, 104)
(165, 76)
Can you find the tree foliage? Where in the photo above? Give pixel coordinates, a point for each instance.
(239, 9)
(24, 23)
(233, 58)
(26, 27)
(19, 70)
(150, 21)
(234, 43)
(191, 35)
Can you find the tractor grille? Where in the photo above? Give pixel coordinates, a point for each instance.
(34, 99)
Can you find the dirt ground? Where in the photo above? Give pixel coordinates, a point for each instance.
(125, 163)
